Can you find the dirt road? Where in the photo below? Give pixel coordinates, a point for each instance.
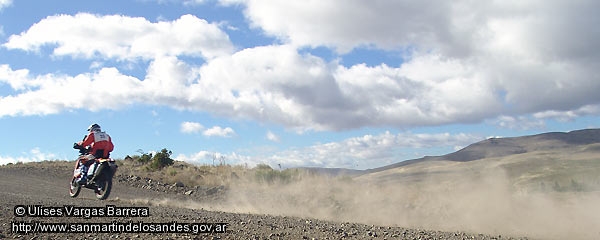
(42, 191)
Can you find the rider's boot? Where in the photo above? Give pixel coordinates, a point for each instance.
(83, 171)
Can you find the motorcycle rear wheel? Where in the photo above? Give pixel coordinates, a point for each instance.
(104, 190)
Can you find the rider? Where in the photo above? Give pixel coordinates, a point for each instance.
(101, 146)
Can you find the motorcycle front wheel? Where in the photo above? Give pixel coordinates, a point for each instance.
(74, 189)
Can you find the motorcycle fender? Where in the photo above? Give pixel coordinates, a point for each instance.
(109, 169)
(113, 167)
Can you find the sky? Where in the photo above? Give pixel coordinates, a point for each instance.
(337, 83)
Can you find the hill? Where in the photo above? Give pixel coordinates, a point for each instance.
(331, 171)
(541, 185)
(555, 161)
(501, 147)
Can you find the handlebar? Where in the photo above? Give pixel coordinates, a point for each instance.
(82, 150)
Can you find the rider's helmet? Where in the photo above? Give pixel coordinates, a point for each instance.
(94, 128)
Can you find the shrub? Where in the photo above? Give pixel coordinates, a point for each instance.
(263, 166)
(576, 186)
(145, 158)
(161, 159)
(264, 173)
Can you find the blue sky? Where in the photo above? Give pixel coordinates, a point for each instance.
(352, 84)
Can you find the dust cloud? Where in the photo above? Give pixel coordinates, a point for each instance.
(482, 202)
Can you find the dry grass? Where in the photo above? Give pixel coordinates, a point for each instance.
(55, 164)
(207, 175)
(187, 174)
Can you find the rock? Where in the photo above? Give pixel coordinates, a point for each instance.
(189, 192)
(213, 190)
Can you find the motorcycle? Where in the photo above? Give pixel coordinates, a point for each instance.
(102, 184)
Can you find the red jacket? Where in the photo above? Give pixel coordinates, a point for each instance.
(98, 141)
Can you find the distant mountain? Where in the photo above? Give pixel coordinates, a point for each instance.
(492, 147)
(332, 171)
(500, 147)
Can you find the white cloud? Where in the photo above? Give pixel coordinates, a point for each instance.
(5, 3)
(210, 158)
(537, 120)
(272, 137)
(34, 155)
(570, 115)
(193, 2)
(357, 153)
(165, 84)
(457, 28)
(191, 127)
(196, 158)
(271, 83)
(50, 94)
(128, 38)
(17, 79)
(346, 24)
(519, 123)
(464, 62)
(368, 150)
(277, 84)
(508, 48)
(217, 131)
